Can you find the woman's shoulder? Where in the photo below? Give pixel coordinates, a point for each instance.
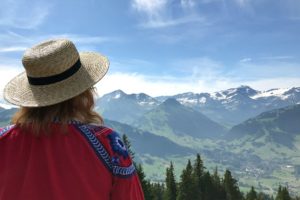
(96, 130)
(109, 146)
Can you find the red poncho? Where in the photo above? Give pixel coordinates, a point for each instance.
(90, 162)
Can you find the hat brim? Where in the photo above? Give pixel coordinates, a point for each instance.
(93, 68)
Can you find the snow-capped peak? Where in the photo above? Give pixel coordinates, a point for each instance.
(114, 95)
(118, 94)
(276, 92)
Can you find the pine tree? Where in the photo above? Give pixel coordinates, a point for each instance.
(128, 145)
(279, 195)
(171, 188)
(145, 184)
(157, 191)
(186, 186)
(263, 196)
(231, 187)
(283, 194)
(251, 195)
(198, 172)
(208, 192)
(216, 177)
(219, 193)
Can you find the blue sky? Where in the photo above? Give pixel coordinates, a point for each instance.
(165, 46)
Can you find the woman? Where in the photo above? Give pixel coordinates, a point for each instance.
(57, 147)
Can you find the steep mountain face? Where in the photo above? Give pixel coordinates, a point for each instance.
(172, 118)
(270, 144)
(125, 108)
(235, 105)
(279, 126)
(144, 142)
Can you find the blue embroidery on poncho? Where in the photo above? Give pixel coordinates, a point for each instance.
(112, 163)
(5, 129)
(117, 145)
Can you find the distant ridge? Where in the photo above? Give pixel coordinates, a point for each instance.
(279, 125)
(123, 107)
(145, 142)
(171, 117)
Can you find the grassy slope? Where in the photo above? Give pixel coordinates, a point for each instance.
(265, 157)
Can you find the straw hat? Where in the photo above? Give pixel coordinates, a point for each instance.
(54, 72)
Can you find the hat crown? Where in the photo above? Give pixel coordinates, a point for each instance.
(50, 58)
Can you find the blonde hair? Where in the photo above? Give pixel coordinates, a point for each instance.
(39, 119)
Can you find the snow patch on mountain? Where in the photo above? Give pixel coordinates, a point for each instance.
(277, 92)
(117, 96)
(218, 96)
(145, 103)
(202, 100)
(185, 100)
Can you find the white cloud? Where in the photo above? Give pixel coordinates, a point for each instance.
(265, 69)
(12, 37)
(160, 13)
(188, 3)
(161, 23)
(270, 83)
(24, 15)
(267, 59)
(153, 12)
(152, 85)
(199, 68)
(160, 85)
(211, 1)
(13, 42)
(7, 73)
(191, 75)
(246, 60)
(205, 75)
(84, 39)
(169, 85)
(277, 57)
(152, 8)
(12, 49)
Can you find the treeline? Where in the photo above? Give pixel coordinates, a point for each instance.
(196, 183)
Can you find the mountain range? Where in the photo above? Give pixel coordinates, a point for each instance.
(254, 133)
(228, 107)
(125, 108)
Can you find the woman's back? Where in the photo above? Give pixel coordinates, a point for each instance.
(88, 162)
(47, 155)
